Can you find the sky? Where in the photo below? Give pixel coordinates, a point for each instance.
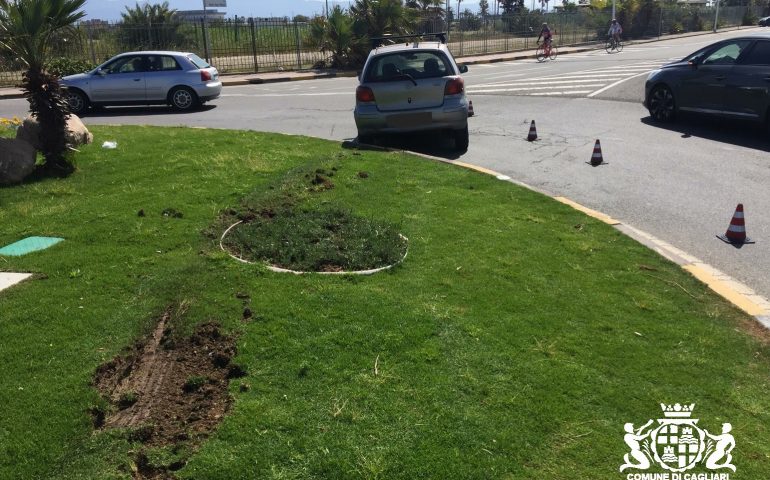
(110, 9)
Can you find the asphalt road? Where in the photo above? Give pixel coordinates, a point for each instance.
(680, 183)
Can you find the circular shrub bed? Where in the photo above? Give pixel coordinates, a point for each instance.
(317, 241)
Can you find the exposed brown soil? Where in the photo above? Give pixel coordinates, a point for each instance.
(168, 391)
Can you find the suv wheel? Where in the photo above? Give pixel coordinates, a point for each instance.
(461, 139)
(77, 102)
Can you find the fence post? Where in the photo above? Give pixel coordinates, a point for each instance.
(91, 43)
(486, 32)
(660, 23)
(253, 43)
(299, 45)
(205, 41)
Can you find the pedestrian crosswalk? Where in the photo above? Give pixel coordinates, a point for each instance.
(577, 83)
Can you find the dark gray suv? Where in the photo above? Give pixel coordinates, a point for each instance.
(730, 78)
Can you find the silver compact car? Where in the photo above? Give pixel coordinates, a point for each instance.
(730, 78)
(183, 80)
(411, 86)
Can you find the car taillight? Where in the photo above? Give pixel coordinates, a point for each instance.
(364, 94)
(205, 75)
(455, 86)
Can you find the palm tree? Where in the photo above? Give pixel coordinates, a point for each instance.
(431, 13)
(151, 26)
(375, 18)
(334, 34)
(28, 30)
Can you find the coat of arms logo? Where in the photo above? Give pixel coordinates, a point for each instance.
(677, 443)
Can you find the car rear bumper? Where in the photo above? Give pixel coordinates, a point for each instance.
(209, 91)
(370, 120)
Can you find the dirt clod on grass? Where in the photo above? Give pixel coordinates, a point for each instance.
(166, 390)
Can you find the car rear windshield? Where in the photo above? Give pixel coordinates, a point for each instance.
(417, 64)
(198, 61)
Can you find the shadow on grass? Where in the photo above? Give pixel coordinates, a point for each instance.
(142, 110)
(436, 144)
(734, 132)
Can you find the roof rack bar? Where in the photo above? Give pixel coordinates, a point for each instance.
(377, 41)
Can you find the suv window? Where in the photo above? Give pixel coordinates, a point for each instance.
(420, 64)
(128, 64)
(759, 55)
(198, 61)
(726, 54)
(157, 63)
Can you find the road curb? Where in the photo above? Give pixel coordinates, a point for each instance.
(735, 292)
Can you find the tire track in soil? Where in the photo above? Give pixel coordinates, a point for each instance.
(168, 391)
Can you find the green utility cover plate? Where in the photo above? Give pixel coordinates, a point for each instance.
(27, 245)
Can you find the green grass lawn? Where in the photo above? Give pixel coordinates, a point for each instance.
(514, 342)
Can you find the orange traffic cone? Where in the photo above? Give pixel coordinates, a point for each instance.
(736, 232)
(470, 108)
(532, 132)
(596, 158)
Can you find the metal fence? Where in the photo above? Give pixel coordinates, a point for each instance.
(242, 45)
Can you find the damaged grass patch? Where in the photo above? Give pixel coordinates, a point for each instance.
(283, 228)
(318, 241)
(167, 392)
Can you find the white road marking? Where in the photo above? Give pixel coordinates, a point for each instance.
(318, 94)
(528, 89)
(574, 92)
(542, 82)
(592, 94)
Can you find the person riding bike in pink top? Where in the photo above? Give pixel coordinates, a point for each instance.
(546, 34)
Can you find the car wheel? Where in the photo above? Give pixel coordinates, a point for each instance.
(182, 98)
(661, 104)
(461, 139)
(77, 101)
(365, 139)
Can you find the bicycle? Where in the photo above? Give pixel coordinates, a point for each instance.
(543, 52)
(613, 45)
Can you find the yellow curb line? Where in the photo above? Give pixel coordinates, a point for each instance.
(591, 213)
(738, 294)
(729, 289)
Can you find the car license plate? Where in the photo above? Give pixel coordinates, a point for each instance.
(405, 120)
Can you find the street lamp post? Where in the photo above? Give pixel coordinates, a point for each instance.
(716, 16)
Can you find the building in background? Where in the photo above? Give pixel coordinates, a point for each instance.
(197, 15)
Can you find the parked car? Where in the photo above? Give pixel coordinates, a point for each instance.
(182, 80)
(764, 22)
(412, 85)
(730, 78)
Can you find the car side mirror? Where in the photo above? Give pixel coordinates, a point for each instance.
(463, 68)
(693, 64)
(101, 72)
(358, 75)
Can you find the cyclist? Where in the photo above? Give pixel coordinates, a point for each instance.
(545, 32)
(615, 31)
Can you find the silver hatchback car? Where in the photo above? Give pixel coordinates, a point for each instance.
(182, 80)
(411, 86)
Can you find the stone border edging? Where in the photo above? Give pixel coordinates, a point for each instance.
(275, 269)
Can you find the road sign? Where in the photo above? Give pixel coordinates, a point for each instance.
(214, 3)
